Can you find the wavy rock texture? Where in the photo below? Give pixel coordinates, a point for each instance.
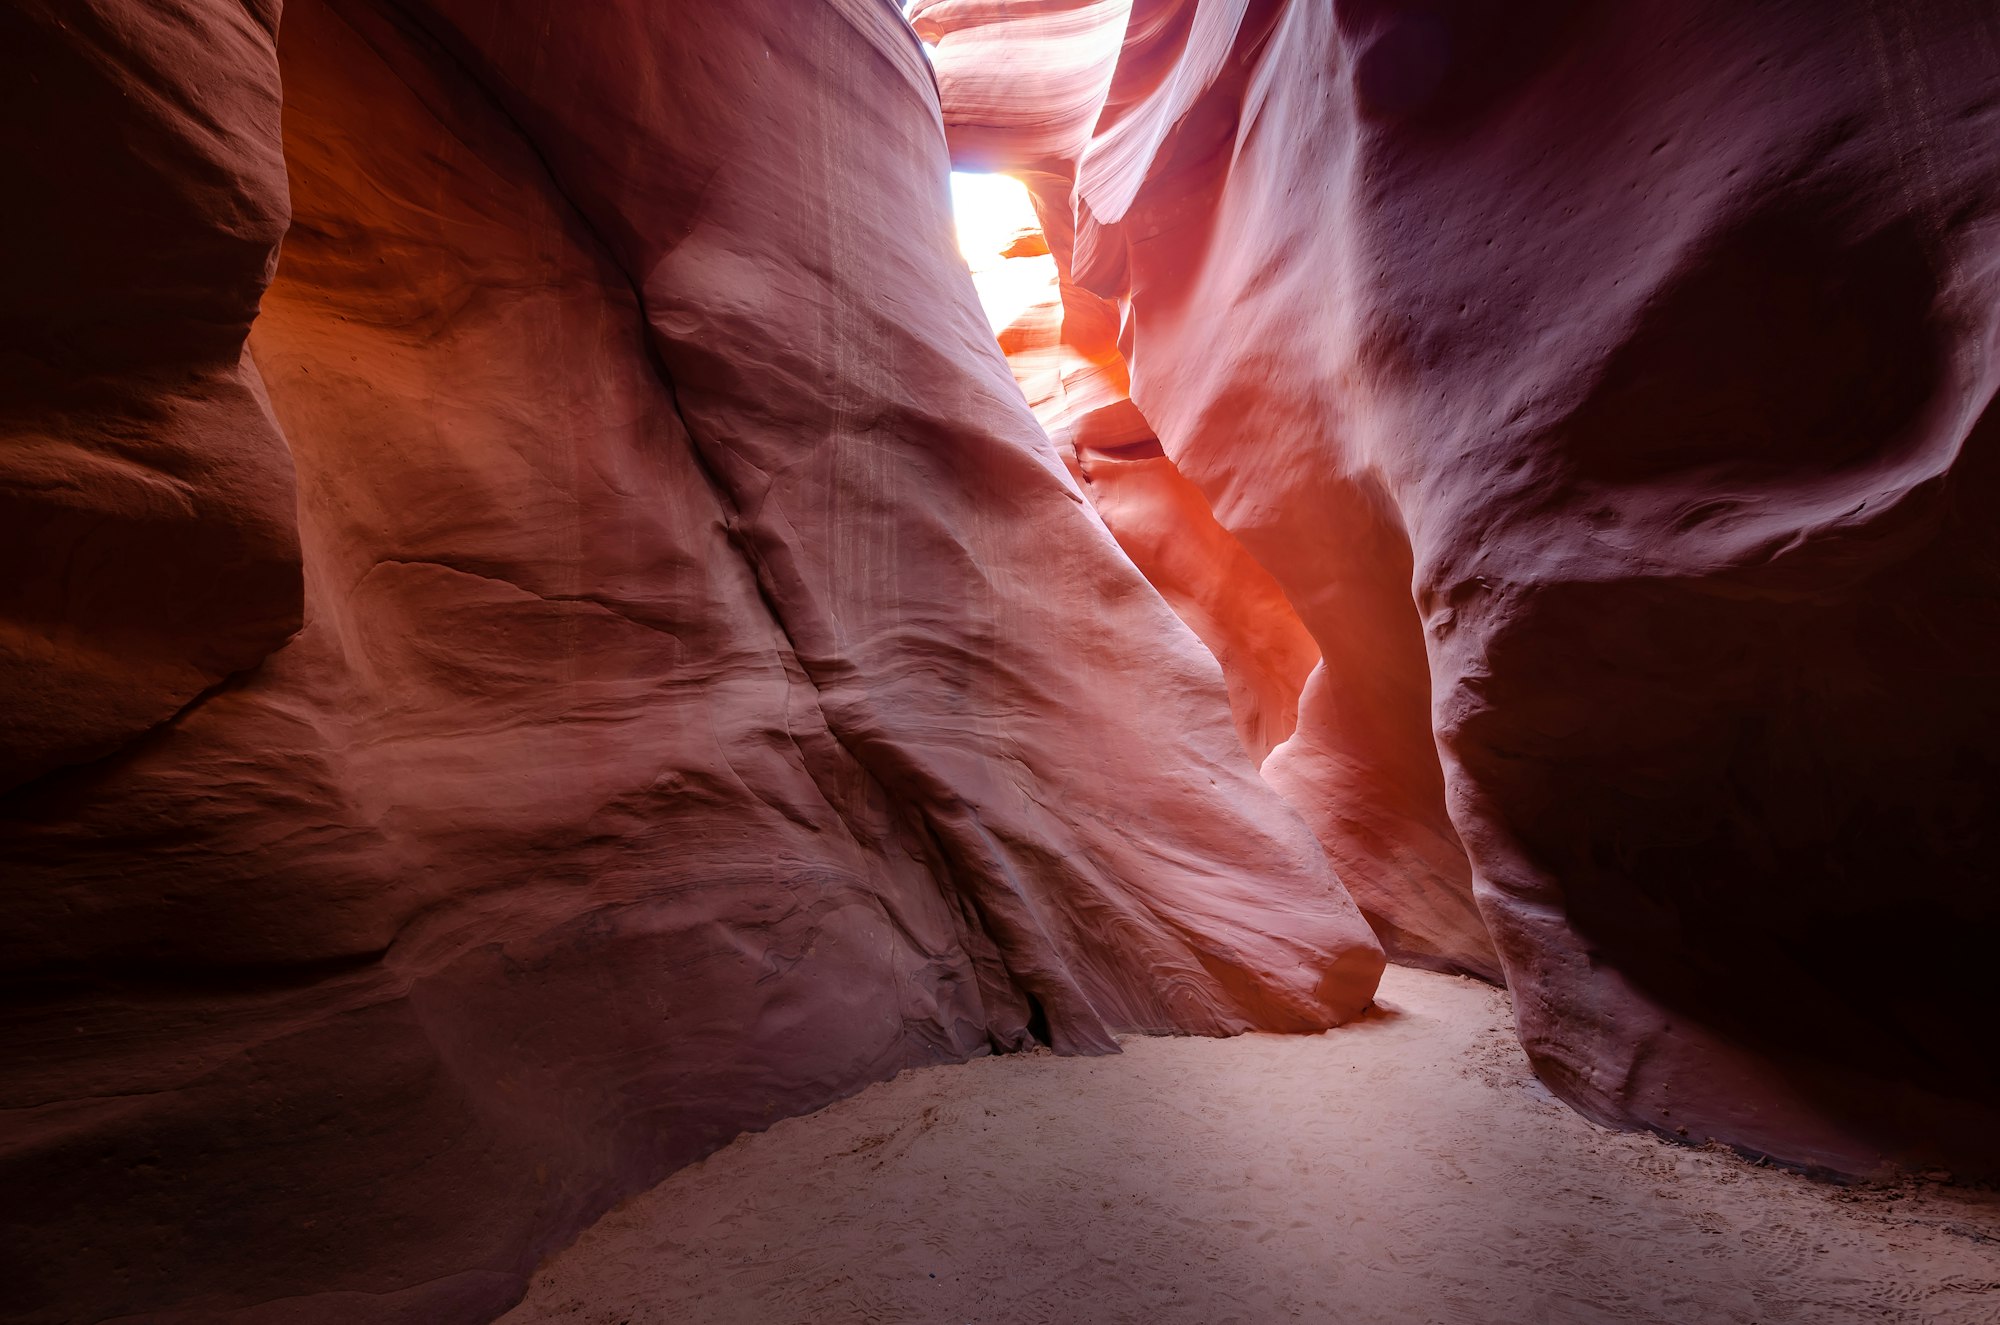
(1622, 379)
(1297, 580)
(146, 501)
(1074, 379)
(713, 694)
(1063, 351)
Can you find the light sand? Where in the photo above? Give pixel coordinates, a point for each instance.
(1408, 1168)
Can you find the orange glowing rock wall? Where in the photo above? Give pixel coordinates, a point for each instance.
(1062, 353)
(608, 662)
(1324, 657)
(1610, 388)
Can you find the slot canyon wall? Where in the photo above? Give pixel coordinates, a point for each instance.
(1333, 704)
(543, 636)
(1610, 389)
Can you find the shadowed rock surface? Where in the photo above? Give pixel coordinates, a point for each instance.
(685, 687)
(146, 506)
(1610, 389)
(543, 634)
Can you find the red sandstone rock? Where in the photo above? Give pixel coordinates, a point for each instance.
(713, 692)
(1075, 382)
(1362, 767)
(146, 504)
(1611, 389)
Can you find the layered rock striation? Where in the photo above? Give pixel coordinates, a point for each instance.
(1063, 351)
(604, 660)
(1611, 391)
(1297, 580)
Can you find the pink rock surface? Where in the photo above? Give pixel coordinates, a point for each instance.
(1295, 566)
(713, 693)
(1611, 390)
(1061, 352)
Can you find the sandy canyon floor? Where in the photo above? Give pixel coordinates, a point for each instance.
(1405, 1169)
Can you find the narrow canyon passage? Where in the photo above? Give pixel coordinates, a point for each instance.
(579, 719)
(1406, 1169)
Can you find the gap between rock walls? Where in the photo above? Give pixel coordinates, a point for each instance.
(548, 629)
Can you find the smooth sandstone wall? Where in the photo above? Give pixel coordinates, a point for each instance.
(1611, 390)
(699, 690)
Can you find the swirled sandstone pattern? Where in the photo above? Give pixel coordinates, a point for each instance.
(1611, 390)
(645, 673)
(1304, 599)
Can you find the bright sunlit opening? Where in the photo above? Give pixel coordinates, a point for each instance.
(991, 211)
